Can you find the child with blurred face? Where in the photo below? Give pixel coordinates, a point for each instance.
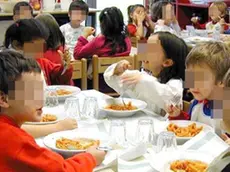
(22, 10)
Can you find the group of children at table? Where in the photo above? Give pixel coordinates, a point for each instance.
(37, 56)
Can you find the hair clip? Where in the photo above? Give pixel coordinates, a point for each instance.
(105, 12)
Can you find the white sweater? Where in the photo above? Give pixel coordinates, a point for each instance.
(173, 29)
(149, 89)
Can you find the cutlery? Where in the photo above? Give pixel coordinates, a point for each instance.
(102, 148)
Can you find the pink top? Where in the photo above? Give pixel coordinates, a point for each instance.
(86, 49)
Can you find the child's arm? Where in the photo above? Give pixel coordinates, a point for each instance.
(44, 130)
(140, 26)
(197, 24)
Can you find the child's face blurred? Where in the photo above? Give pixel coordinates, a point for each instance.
(27, 98)
(24, 13)
(77, 16)
(34, 49)
(214, 13)
(153, 57)
(137, 11)
(201, 81)
(168, 13)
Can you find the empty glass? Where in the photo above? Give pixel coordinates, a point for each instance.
(191, 30)
(72, 108)
(51, 98)
(118, 132)
(90, 108)
(166, 142)
(145, 132)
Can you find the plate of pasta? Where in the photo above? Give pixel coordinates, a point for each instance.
(182, 161)
(69, 143)
(122, 108)
(64, 91)
(185, 130)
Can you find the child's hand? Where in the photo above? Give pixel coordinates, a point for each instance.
(67, 124)
(226, 138)
(131, 79)
(121, 67)
(97, 154)
(88, 31)
(173, 111)
(222, 21)
(141, 17)
(66, 57)
(161, 22)
(194, 20)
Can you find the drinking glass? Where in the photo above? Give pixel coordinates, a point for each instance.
(191, 30)
(166, 142)
(90, 108)
(51, 98)
(118, 132)
(145, 132)
(72, 108)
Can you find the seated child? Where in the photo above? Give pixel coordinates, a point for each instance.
(22, 90)
(29, 36)
(140, 25)
(162, 12)
(202, 76)
(113, 40)
(217, 12)
(22, 10)
(164, 65)
(78, 11)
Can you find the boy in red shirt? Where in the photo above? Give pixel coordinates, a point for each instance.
(29, 36)
(21, 100)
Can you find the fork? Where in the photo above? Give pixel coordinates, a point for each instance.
(174, 101)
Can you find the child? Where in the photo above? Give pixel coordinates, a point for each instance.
(112, 41)
(22, 90)
(217, 12)
(22, 10)
(162, 12)
(30, 36)
(78, 11)
(140, 25)
(165, 60)
(203, 74)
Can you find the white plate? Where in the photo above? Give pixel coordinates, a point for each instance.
(185, 123)
(74, 90)
(60, 116)
(50, 140)
(116, 113)
(166, 158)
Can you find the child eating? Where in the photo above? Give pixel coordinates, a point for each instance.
(163, 59)
(21, 87)
(140, 25)
(217, 12)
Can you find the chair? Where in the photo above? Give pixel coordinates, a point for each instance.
(80, 72)
(100, 64)
(134, 41)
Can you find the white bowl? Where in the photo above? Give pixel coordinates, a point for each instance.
(8, 6)
(185, 123)
(118, 113)
(74, 90)
(50, 140)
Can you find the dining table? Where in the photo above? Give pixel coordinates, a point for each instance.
(102, 124)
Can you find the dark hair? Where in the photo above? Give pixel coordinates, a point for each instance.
(79, 5)
(12, 65)
(131, 9)
(21, 4)
(56, 37)
(113, 28)
(175, 49)
(25, 30)
(157, 9)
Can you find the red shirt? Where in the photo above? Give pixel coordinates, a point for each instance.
(132, 29)
(53, 72)
(20, 153)
(203, 26)
(86, 49)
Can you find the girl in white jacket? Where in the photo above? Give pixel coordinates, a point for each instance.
(163, 60)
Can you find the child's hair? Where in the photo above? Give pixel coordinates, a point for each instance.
(113, 28)
(56, 37)
(17, 7)
(79, 5)
(225, 67)
(12, 65)
(222, 7)
(157, 9)
(131, 9)
(211, 54)
(175, 49)
(23, 31)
